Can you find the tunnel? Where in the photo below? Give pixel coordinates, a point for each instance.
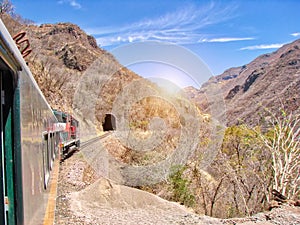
(109, 122)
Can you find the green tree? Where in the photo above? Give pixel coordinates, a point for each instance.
(246, 166)
(180, 186)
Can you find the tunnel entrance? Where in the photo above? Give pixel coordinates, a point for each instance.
(109, 122)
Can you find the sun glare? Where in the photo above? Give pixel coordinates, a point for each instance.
(168, 77)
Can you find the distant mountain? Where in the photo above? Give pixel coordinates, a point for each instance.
(270, 81)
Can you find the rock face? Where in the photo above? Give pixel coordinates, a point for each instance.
(270, 81)
(61, 55)
(66, 42)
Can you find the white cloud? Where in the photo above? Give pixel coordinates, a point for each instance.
(184, 26)
(296, 34)
(227, 39)
(268, 46)
(72, 3)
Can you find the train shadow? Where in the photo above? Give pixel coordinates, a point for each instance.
(69, 154)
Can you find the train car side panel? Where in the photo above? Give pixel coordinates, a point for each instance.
(37, 120)
(29, 147)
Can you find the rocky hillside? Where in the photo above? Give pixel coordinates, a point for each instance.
(77, 76)
(60, 53)
(270, 81)
(61, 57)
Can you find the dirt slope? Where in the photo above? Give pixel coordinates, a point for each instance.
(86, 198)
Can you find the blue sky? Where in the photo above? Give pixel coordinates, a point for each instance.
(223, 34)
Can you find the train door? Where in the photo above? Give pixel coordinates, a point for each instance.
(7, 188)
(11, 195)
(3, 203)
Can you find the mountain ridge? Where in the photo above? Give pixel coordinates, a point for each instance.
(271, 81)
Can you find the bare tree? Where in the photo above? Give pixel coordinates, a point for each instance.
(6, 7)
(283, 142)
(47, 77)
(210, 191)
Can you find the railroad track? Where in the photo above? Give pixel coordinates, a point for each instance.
(93, 140)
(84, 145)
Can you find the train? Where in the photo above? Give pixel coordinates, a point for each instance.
(33, 139)
(69, 132)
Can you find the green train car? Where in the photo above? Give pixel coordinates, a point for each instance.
(30, 140)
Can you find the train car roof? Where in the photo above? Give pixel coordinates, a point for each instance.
(10, 53)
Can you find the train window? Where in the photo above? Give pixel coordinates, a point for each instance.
(75, 123)
(64, 117)
(52, 135)
(46, 160)
(53, 145)
(58, 116)
(50, 149)
(57, 141)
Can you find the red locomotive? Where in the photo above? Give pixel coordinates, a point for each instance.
(69, 132)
